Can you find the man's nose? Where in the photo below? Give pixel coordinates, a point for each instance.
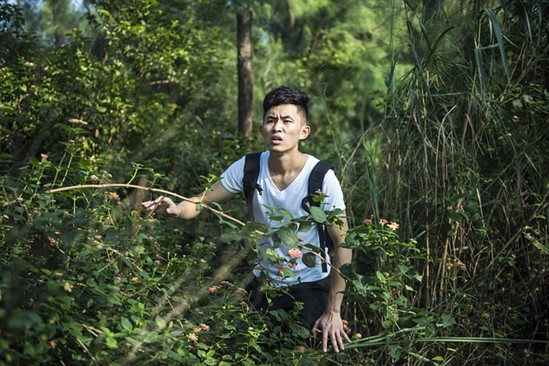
(277, 125)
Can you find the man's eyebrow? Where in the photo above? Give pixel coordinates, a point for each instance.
(272, 115)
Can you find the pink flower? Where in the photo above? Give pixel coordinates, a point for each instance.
(212, 290)
(192, 337)
(393, 226)
(383, 222)
(295, 253)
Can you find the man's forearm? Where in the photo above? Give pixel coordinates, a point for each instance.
(337, 286)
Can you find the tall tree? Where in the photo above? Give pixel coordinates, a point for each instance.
(245, 80)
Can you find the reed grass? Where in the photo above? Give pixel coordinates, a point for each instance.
(462, 166)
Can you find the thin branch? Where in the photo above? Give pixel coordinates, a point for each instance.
(117, 185)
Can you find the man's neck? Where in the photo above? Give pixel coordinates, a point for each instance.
(286, 163)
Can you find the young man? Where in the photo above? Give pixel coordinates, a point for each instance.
(283, 178)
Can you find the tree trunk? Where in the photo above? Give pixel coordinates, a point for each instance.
(244, 65)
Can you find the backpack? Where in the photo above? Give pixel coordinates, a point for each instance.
(316, 178)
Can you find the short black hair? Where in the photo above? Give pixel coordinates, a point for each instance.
(287, 95)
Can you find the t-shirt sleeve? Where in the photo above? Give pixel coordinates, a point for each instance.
(232, 177)
(332, 188)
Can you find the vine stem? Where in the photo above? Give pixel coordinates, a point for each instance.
(216, 212)
(118, 185)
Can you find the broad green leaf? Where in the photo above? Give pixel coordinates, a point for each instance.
(447, 320)
(111, 342)
(256, 226)
(381, 277)
(305, 227)
(288, 237)
(309, 259)
(317, 214)
(126, 324)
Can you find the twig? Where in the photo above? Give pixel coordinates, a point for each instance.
(117, 185)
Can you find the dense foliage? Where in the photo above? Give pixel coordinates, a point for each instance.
(434, 114)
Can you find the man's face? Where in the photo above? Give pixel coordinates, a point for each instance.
(283, 127)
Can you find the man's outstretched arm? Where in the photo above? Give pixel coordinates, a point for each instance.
(189, 209)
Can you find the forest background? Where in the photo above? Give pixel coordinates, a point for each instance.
(433, 113)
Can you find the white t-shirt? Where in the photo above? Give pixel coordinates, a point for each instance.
(289, 199)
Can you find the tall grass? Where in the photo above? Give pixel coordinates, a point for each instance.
(464, 169)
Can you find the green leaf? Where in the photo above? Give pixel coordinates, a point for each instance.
(309, 259)
(403, 268)
(285, 214)
(111, 342)
(256, 226)
(160, 322)
(305, 227)
(298, 330)
(126, 324)
(313, 248)
(318, 214)
(229, 237)
(288, 237)
(381, 277)
(447, 320)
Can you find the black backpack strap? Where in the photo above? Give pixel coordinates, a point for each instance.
(249, 181)
(316, 180)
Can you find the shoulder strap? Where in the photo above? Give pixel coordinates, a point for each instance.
(249, 181)
(316, 180)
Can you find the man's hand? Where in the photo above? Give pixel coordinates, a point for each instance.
(330, 325)
(163, 205)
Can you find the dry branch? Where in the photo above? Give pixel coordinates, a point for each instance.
(119, 185)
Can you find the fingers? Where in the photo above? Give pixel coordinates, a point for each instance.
(340, 336)
(162, 205)
(324, 340)
(346, 336)
(153, 204)
(336, 337)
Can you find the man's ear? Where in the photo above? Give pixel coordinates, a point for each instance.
(305, 131)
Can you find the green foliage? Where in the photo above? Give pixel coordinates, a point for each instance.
(434, 114)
